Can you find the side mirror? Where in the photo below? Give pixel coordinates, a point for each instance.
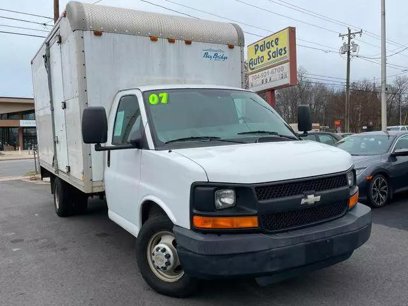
(304, 119)
(400, 152)
(94, 125)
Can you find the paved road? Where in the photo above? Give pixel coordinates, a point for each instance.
(16, 167)
(88, 260)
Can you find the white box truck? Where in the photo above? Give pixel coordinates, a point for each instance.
(207, 176)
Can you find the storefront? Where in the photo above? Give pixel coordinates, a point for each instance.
(17, 123)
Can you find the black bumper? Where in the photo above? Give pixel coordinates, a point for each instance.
(252, 255)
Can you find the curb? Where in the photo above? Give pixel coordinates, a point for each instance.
(16, 158)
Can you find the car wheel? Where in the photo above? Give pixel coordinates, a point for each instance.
(380, 191)
(62, 198)
(158, 260)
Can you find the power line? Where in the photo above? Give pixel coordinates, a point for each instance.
(25, 20)
(24, 13)
(393, 66)
(329, 19)
(298, 8)
(328, 80)
(243, 23)
(284, 16)
(169, 9)
(22, 28)
(326, 76)
(352, 89)
(299, 20)
(23, 34)
(246, 32)
(397, 74)
(398, 52)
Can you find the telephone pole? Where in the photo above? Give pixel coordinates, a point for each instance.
(348, 48)
(383, 70)
(56, 10)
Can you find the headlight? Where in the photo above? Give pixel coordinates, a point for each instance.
(350, 178)
(359, 171)
(224, 198)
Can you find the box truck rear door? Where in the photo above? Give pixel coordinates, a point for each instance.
(58, 102)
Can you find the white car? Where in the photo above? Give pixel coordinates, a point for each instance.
(397, 128)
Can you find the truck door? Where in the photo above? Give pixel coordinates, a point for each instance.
(122, 172)
(58, 105)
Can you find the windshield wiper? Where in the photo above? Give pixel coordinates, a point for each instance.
(202, 138)
(267, 132)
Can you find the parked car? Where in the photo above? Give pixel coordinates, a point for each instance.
(397, 128)
(323, 137)
(381, 164)
(344, 135)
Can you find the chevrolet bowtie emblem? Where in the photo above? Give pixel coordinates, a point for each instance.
(310, 199)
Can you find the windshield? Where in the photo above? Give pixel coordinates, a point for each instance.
(366, 144)
(394, 128)
(212, 115)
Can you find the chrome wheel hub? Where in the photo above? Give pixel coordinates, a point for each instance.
(163, 258)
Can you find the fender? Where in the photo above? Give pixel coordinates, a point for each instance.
(159, 202)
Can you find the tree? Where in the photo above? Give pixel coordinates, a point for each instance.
(326, 101)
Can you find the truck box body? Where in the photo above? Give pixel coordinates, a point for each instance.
(95, 51)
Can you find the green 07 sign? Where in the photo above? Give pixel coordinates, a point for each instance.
(156, 98)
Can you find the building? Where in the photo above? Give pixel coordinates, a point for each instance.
(17, 123)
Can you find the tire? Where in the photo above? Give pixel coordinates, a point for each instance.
(80, 202)
(379, 193)
(62, 198)
(156, 233)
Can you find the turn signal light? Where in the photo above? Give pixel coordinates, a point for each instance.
(353, 200)
(225, 222)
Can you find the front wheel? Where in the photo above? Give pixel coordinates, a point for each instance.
(379, 191)
(158, 260)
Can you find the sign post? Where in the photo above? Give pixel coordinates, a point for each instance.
(272, 63)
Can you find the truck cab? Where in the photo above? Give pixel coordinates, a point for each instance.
(215, 184)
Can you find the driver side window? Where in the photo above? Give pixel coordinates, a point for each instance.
(402, 143)
(127, 121)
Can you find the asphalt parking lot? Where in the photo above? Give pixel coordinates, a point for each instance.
(89, 260)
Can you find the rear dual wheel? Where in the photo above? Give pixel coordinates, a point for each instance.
(68, 200)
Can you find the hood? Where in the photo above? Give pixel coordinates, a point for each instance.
(363, 161)
(266, 162)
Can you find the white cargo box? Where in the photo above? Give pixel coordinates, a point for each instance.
(95, 51)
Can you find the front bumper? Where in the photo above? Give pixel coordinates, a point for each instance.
(252, 255)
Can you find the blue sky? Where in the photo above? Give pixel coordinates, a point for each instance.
(16, 52)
